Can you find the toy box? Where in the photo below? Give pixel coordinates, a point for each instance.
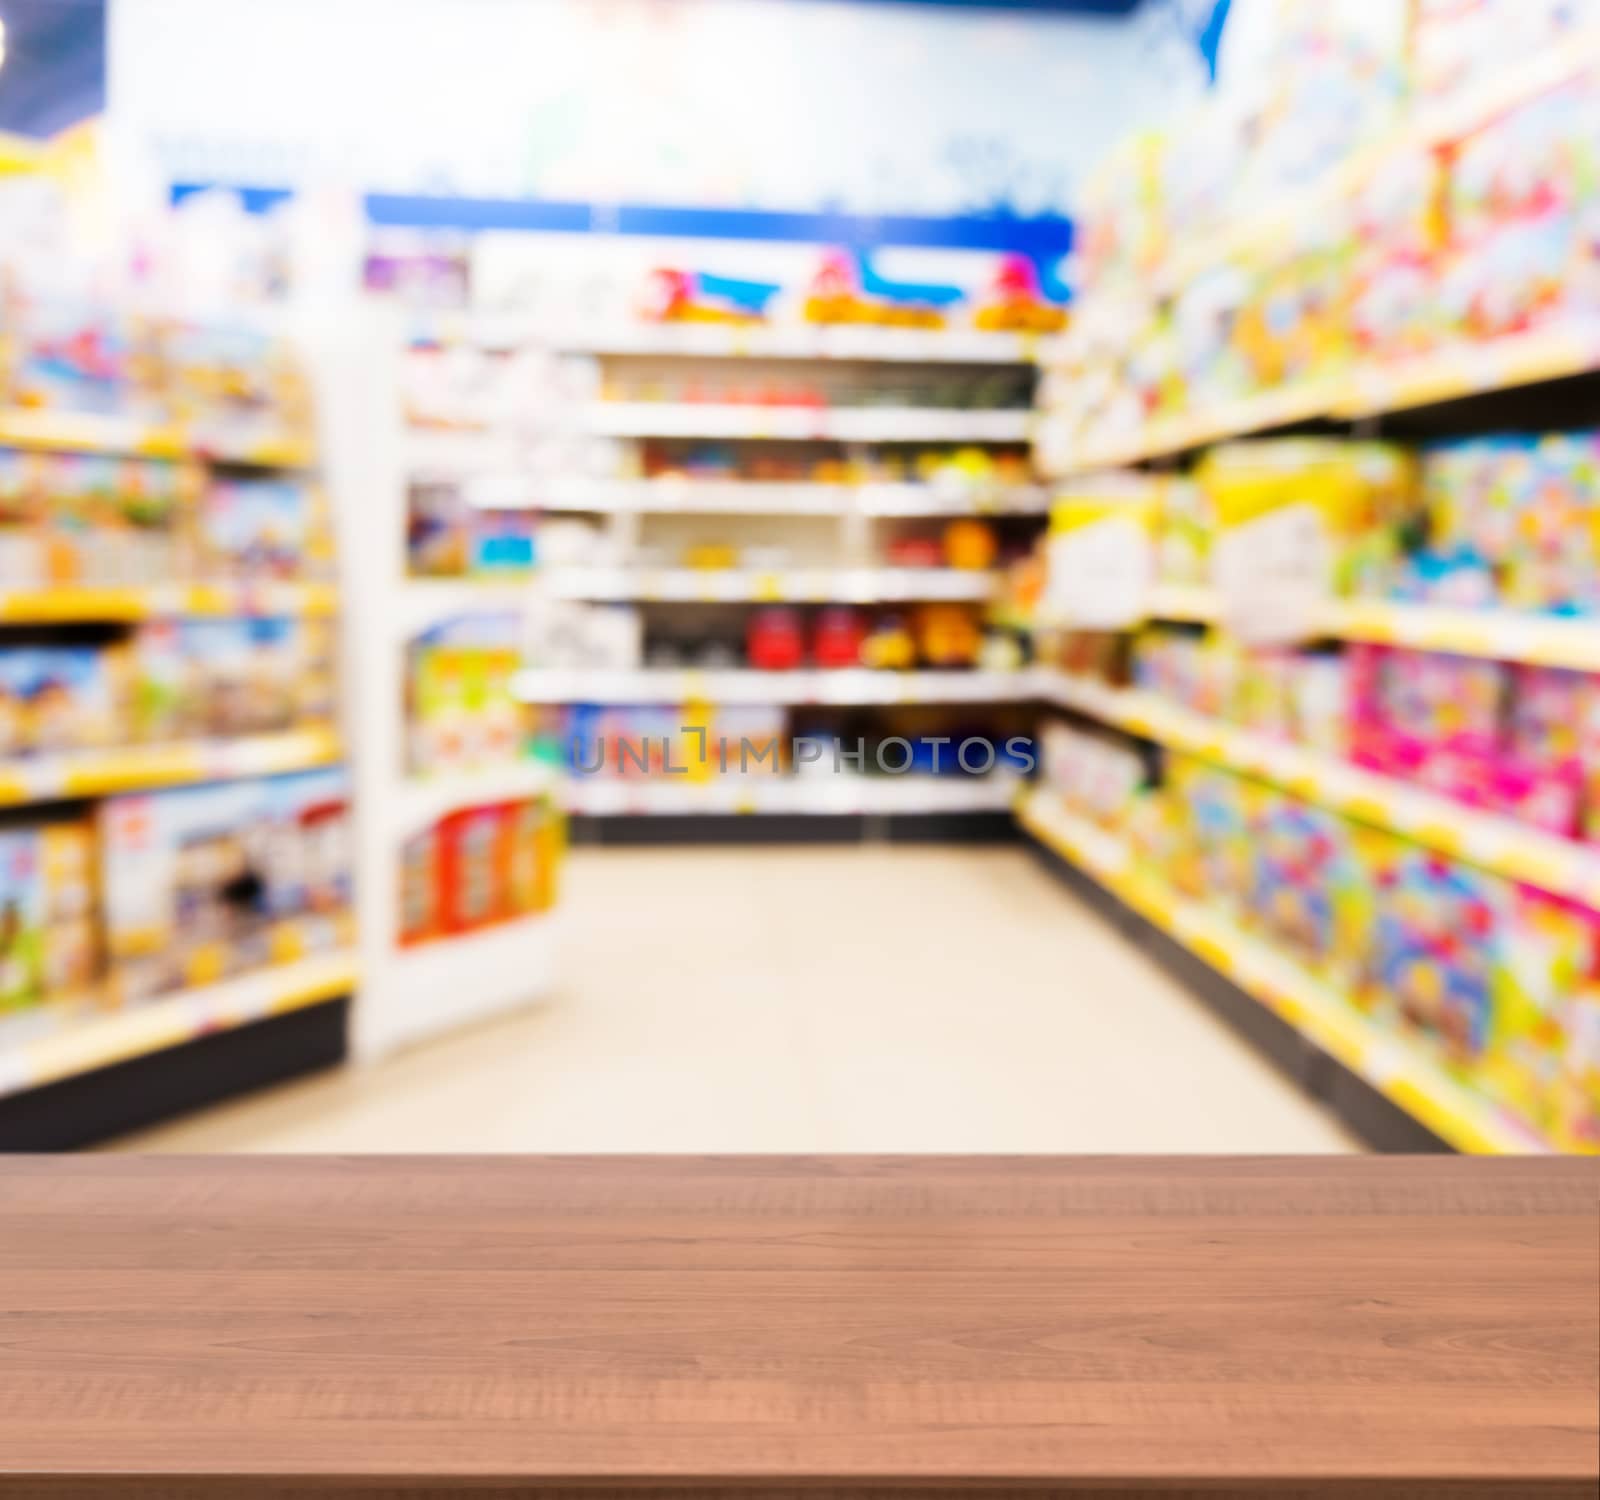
(55, 698)
(256, 529)
(1547, 951)
(202, 882)
(22, 921)
(480, 866)
(73, 357)
(420, 916)
(70, 907)
(1434, 961)
(462, 713)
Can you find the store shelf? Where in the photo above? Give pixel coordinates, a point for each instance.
(1500, 89)
(451, 982)
(75, 603)
(99, 773)
(62, 1039)
(1446, 374)
(663, 496)
(1172, 435)
(1397, 1068)
(423, 800)
(923, 346)
(1471, 369)
(1509, 848)
(843, 424)
(450, 455)
(425, 602)
(1545, 640)
(864, 343)
(749, 497)
(769, 792)
(936, 499)
(842, 686)
(93, 432)
(798, 585)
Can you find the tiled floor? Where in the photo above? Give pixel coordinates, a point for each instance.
(857, 999)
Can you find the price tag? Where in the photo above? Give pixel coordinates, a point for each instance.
(1272, 566)
(1100, 562)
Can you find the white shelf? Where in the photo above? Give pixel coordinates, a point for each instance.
(809, 341)
(662, 496)
(425, 602)
(745, 341)
(424, 799)
(845, 424)
(63, 1038)
(685, 496)
(448, 982)
(843, 686)
(450, 455)
(797, 585)
(936, 499)
(759, 792)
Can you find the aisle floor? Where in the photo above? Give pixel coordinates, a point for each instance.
(856, 999)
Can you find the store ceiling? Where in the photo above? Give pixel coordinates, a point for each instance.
(55, 67)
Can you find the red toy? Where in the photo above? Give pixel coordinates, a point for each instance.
(840, 632)
(774, 640)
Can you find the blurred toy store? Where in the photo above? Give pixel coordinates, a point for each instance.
(800, 575)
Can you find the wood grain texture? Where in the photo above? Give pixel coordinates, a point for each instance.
(1283, 1327)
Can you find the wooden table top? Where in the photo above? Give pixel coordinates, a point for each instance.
(1276, 1326)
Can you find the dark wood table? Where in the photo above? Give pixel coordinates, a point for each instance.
(1277, 1327)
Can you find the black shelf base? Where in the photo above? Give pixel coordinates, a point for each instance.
(146, 1090)
(1363, 1111)
(646, 829)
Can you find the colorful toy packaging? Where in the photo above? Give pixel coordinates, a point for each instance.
(49, 937)
(203, 882)
(480, 866)
(22, 959)
(461, 710)
(1500, 982)
(1366, 494)
(1099, 775)
(258, 529)
(1421, 247)
(1510, 522)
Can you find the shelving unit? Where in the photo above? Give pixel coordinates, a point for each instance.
(1379, 1058)
(95, 1043)
(1483, 386)
(1549, 352)
(1560, 866)
(411, 992)
(501, 470)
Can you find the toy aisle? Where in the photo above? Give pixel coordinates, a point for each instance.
(651, 641)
